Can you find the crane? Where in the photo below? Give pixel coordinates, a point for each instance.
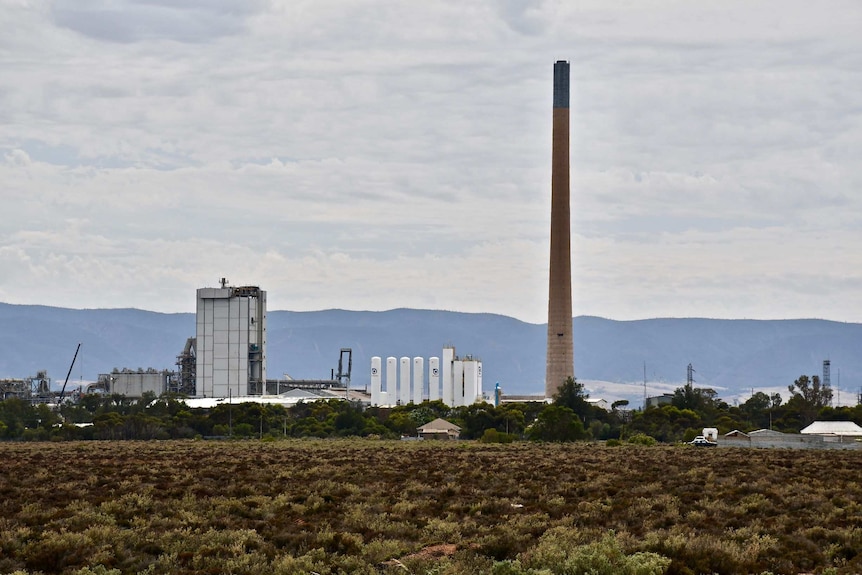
(63, 391)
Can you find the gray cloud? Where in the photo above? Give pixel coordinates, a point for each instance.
(138, 20)
(398, 154)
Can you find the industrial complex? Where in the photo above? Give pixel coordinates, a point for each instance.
(227, 356)
(226, 361)
(454, 381)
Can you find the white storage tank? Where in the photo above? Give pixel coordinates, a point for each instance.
(446, 375)
(418, 379)
(376, 379)
(404, 382)
(391, 378)
(433, 378)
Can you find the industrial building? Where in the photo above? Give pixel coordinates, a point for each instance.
(35, 389)
(230, 346)
(456, 381)
(133, 383)
(226, 359)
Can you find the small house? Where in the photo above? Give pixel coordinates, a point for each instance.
(601, 403)
(439, 429)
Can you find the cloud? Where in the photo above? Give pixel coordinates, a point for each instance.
(522, 15)
(127, 21)
(17, 158)
(398, 154)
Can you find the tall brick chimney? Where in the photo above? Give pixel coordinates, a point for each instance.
(560, 358)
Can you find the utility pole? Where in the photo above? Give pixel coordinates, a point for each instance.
(838, 388)
(644, 386)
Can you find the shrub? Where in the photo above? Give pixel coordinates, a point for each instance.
(356, 506)
(690, 434)
(559, 552)
(493, 436)
(642, 439)
(97, 570)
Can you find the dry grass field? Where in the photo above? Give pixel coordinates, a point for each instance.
(365, 506)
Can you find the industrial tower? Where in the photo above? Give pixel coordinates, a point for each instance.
(560, 358)
(231, 341)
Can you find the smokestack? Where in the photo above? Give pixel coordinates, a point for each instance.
(560, 358)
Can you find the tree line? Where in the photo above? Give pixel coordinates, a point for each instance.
(569, 417)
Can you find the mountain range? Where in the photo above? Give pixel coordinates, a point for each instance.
(614, 359)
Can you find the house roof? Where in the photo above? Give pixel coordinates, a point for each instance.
(438, 425)
(767, 432)
(833, 428)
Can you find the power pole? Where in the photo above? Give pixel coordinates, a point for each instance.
(644, 386)
(838, 388)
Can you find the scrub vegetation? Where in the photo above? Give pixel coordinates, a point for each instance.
(464, 507)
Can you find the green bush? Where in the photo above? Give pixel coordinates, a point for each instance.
(494, 436)
(642, 439)
(559, 552)
(690, 434)
(97, 570)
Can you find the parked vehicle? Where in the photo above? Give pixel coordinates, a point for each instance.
(701, 441)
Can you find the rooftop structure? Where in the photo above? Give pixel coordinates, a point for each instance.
(838, 428)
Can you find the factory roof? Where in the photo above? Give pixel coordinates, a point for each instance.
(833, 428)
(286, 399)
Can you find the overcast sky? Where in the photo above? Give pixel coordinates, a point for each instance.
(374, 154)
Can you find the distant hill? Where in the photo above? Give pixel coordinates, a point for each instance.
(732, 356)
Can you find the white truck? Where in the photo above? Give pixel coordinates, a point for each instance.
(708, 439)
